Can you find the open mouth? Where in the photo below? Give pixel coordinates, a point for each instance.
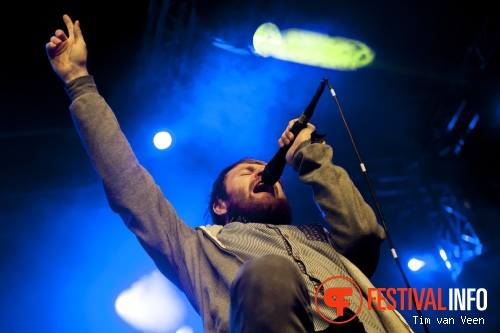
(261, 187)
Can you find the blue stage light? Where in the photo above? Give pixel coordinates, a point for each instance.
(162, 140)
(415, 264)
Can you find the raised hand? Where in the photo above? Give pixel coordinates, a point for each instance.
(68, 53)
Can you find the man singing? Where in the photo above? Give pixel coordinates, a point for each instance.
(251, 270)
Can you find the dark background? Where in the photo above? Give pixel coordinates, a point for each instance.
(65, 257)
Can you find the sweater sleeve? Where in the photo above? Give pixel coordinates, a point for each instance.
(130, 190)
(355, 232)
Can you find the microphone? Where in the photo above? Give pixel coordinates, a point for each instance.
(274, 169)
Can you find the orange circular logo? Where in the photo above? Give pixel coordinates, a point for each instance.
(335, 298)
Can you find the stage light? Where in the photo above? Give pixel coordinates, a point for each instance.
(415, 264)
(423, 263)
(152, 304)
(457, 114)
(473, 122)
(222, 44)
(443, 255)
(185, 329)
(162, 140)
(311, 48)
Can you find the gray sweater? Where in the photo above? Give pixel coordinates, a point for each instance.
(203, 261)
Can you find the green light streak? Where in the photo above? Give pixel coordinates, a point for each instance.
(311, 48)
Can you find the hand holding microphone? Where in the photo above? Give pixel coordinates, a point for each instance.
(274, 169)
(288, 138)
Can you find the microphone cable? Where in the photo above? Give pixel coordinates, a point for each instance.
(363, 169)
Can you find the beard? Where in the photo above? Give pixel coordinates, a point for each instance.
(268, 210)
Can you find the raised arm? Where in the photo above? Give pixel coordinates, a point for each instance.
(131, 191)
(355, 231)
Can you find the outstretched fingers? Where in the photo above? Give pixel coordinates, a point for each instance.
(69, 25)
(77, 32)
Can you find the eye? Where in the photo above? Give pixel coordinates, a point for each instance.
(245, 174)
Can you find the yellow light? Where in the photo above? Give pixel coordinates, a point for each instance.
(311, 48)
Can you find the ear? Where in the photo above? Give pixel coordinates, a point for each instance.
(219, 207)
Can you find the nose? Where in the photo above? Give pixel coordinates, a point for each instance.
(259, 171)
